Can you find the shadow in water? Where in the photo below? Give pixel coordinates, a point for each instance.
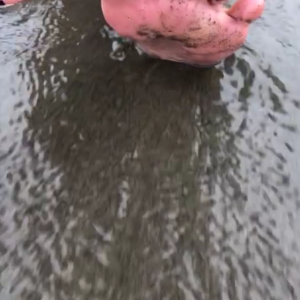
(133, 142)
(134, 147)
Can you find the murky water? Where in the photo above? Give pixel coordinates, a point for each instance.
(145, 179)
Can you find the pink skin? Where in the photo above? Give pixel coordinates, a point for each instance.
(198, 32)
(8, 2)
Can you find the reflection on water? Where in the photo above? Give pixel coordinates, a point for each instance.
(144, 179)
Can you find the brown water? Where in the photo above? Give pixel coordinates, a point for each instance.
(142, 179)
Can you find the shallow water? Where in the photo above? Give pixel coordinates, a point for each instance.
(145, 179)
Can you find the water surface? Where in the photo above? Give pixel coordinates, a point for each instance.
(144, 179)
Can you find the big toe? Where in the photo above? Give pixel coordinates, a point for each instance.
(247, 10)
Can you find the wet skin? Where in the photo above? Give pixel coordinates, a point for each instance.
(9, 2)
(197, 32)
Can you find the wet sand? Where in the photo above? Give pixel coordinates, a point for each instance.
(146, 179)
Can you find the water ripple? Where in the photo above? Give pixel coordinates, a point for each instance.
(145, 179)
